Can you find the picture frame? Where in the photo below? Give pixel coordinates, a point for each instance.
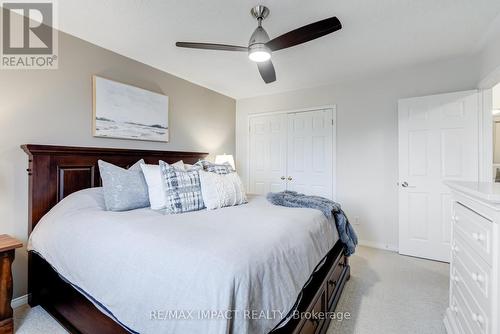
(123, 111)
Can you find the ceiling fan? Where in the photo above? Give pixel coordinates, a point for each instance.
(261, 46)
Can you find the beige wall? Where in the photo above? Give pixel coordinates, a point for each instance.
(495, 92)
(367, 137)
(55, 107)
(489, 55)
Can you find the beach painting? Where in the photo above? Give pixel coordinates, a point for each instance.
(127, 112)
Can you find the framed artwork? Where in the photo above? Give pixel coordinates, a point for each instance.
(127, 112)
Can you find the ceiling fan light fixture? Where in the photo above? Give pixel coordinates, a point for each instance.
(260, 46)
(259, 53)
(259, 56)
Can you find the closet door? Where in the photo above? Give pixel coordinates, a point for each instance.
(267, 154)
(310, 152)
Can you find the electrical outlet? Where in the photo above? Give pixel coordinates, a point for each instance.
(356, 220)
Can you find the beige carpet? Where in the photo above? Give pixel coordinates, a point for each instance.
(35, 321)
(390, 293)
(387, 294)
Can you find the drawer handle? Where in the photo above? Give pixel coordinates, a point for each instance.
(477, 318)
(477, 277)
(478, 236)
(455, 248)
(332, 282)
(315, 321)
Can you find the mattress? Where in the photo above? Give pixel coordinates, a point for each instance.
(233, 270)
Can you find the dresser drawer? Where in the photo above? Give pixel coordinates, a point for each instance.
(476, 274)
(463, 327)
(476, 319)
(475, 230)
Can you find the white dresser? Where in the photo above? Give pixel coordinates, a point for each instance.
(474, 272)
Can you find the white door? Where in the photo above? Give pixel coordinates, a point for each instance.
(310, 157)
(267, 154)
(292, 151)
(438, 140)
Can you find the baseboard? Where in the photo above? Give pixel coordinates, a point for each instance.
(19, 301)
(378, 245)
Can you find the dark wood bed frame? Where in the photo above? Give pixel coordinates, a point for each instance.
(56, 171)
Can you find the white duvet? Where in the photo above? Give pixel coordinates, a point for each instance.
(233, 270)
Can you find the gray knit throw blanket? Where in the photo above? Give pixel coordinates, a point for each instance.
(329, 208)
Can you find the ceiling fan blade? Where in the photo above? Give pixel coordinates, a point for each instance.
(211, 46)
(267, 71)
(305, 34)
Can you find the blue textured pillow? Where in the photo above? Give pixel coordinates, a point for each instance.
(182, 189)
(124, 189)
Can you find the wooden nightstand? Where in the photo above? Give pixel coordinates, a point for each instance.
(7, 254)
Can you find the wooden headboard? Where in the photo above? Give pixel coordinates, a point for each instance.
(57, 171)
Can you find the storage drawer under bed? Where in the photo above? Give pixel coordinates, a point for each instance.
(333, 278)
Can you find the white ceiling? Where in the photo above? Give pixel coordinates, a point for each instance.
(377, 35)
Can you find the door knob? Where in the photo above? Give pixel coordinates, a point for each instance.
(404, 184)
(290, 178)
(283, 178)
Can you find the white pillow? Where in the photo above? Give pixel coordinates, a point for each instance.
(156, 190)
(179, 164)
(221, 190)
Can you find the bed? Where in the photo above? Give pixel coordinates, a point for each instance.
(142, 271)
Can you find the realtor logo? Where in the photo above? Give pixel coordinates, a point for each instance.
(29, 40)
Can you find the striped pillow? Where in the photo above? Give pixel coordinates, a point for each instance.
(182, 189)
(221, 169)
(221, 190)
